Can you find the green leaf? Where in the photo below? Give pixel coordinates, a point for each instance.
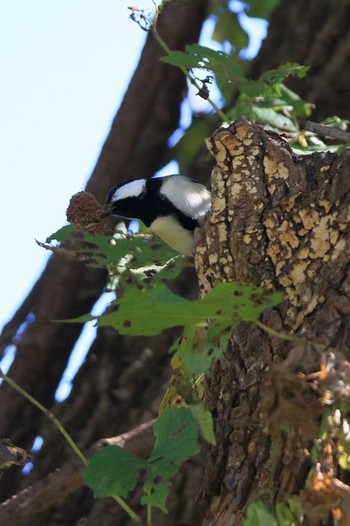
(101, 251)
(269, 117)
(277, 76)
(259, 515)
(198, 346)
(202, 57)
(113, 471)
(259, 9)
(156, 494)
(334, 148)
(176, 430)
(148, 312)
(270, 82)
(242, 301)
(181, 59)
(284, 515)
(228, 29)
(257, 88)
(205, 421)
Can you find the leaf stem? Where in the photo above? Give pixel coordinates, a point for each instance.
(127, 508)
(193, 81)
(65, 434)
(153, 28)
(149, 515)
(272, 332)
(48, 413)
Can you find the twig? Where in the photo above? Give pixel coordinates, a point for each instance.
(328, 131)
(152, 26)
(64, 481)
(65, 434)
(190, 78)
(48, 413)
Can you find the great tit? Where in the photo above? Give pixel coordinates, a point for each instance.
(171, 206)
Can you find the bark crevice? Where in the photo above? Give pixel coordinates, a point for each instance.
(282, 222)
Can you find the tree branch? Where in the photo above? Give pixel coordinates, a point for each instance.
(64, 481)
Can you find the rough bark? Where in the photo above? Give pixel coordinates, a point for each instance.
(281, 222)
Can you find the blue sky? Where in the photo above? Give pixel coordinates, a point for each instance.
(64, 68)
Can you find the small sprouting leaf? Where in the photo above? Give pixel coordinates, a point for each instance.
(113, 471)
(156, 494)
(274, 76)
(334, 148)
(298, 107)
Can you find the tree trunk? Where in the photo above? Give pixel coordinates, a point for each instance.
(281, 222)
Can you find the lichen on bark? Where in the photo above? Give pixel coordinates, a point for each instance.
(279, 221)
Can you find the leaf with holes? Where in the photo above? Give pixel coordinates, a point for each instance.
(176, 432)
(113, 471)
(148, 312)
(101, 251)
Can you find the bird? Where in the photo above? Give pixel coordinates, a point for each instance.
(171, 207)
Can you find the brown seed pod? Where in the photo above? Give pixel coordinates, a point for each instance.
(84, 212)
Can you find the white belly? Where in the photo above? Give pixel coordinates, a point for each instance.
(177, 237)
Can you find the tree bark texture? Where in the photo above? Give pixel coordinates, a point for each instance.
(281, 222)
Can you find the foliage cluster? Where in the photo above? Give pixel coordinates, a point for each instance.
(139, 269)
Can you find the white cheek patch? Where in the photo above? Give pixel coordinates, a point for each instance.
(192, 198)
(132, 189)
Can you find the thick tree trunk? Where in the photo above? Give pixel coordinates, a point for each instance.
(281, 222)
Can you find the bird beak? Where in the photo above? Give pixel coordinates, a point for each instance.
(106, 209)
